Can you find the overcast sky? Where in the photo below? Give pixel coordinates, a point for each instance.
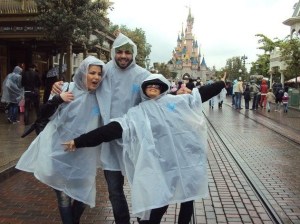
(224, 29)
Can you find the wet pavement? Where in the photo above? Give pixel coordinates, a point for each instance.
(243, 154)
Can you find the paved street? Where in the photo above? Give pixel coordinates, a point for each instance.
(244, 154)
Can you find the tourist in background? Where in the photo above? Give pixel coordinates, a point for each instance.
(254, 91)
(238, 92)
(234, 86)
(13, 93)
(31, 83)
(270, 98)
(285, 101)
(247, 97)
(279, 94)
(263, 92)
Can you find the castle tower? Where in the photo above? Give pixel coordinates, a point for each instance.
(186, 57)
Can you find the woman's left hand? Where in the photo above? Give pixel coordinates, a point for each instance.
(224, 77)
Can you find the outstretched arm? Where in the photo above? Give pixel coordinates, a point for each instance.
(106, 133)
(209, 91)
(46, 111)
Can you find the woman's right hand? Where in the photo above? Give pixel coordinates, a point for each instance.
(69, 146)
(67, 96)
(57, 88)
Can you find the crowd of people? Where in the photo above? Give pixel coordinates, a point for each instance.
(262, 96)
(21, 91)
(120, 118)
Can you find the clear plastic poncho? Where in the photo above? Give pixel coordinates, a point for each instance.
(118, 92)
(12, 88)
(73, 173)
(165, 142)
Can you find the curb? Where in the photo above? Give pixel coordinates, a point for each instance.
(4, 175)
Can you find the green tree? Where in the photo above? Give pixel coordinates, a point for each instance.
(268, 45)
(290, 53)
(163, 69)
(261, 66)
(71, 22)
(233, 66)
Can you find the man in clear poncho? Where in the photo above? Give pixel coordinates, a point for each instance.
(13, 93)
(164, 148)
(72, 176)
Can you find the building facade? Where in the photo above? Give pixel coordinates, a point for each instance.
(187, 61)
(22, 41)
(275, 58)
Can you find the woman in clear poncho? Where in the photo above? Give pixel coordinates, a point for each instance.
(72, 176)
(13, 93)
(164, 148)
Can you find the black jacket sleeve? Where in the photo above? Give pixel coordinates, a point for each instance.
(46, 111)
(49, 108)
(209, 91)
(106, 133)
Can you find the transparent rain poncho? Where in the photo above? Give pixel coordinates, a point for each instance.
(73, 173)
(13, 91)
(164, 150)
(118, 92)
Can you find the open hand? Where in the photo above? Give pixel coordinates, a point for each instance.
(183, 90)
(224, 77)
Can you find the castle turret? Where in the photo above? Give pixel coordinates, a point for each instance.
(186, 56)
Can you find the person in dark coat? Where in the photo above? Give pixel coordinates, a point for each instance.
(49, 80)
(279, 94)
(31, 83)
(247, 97)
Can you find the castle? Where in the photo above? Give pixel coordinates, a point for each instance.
(187, 61)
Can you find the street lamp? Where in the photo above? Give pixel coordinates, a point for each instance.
(240, 72)
(244, 58)
(148, 62)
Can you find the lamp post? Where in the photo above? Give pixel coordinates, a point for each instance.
(240, 73)
(148, 62)
(244, 58)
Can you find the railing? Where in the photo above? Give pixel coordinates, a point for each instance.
(18, 7)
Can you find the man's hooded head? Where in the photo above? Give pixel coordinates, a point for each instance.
(124, 44)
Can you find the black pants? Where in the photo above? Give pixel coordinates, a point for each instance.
(185, 214)
(31, 98)
(70, 210)
(255, 102)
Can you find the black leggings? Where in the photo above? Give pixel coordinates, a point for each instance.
(70, 210)
(185, 214)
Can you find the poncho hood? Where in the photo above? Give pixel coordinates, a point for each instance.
(157, 79)
(120, 41)
(80, 76)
